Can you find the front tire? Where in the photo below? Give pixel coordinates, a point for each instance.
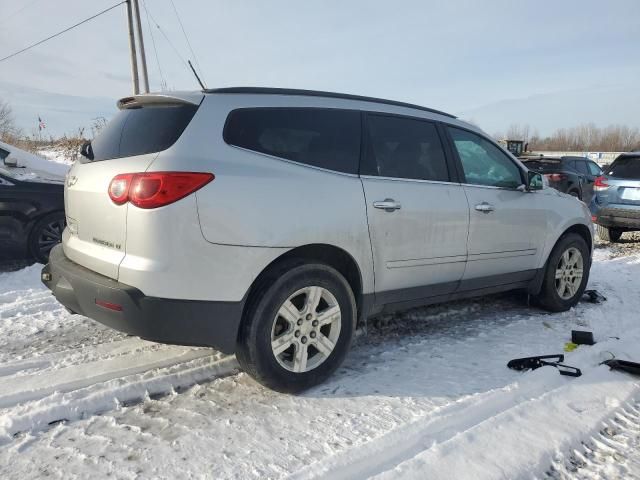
(607, 234)
(298, 328)
(566, 274)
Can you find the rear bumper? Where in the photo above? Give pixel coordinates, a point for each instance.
(618, 218)
(181, 322)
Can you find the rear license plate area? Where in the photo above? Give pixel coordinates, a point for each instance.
(630, 194)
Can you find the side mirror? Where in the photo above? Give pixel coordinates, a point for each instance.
(11, 161)
(534, 181)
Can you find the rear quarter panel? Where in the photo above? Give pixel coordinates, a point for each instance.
(261, 201)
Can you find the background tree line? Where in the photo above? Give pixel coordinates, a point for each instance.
(584, 138)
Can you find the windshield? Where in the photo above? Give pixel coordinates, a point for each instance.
(140, 130)
(625, 167)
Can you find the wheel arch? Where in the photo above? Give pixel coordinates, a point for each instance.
(331, 255)
(577, 228)
(581, 230)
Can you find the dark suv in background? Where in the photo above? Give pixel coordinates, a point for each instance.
(573, 175)
(616, 204)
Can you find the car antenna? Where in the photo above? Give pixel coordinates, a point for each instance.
(196, 75)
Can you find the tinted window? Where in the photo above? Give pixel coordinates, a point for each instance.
(140, 130)
(327, 138)
(570, 165)
(484, 163)
(404, 148)
(594, 169)
(625, 167)
(581, 166)
(3, 154)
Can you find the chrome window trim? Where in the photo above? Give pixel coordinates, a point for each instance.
(414, 180)
(493, 187)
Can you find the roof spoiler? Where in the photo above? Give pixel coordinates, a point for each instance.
(173, 98)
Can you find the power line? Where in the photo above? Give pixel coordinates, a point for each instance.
(168, 41)
(61, 32)
(186, 36)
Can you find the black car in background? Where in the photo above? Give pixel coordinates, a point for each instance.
(572, 175)
(31, 216)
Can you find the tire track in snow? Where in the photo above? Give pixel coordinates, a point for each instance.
(26, 388)
(404, 443)
(613, 453)
(73, 383)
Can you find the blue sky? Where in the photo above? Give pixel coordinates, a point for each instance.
(547, 63)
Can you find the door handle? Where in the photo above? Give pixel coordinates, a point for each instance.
(388, 205)
(485, 207)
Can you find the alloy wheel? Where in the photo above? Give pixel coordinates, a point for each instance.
(569, 272)
(306, 329)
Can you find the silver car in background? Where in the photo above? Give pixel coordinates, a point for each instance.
(269, 223)
(616, 204)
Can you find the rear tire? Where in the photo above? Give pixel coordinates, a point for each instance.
(566, 274)
(607, 234)
(298, 328)
(46, 234)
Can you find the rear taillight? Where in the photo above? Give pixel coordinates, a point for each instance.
(600, 184)
(556, 177)
(155, 189)
(119, 188)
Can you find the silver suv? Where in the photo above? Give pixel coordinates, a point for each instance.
(270, 223)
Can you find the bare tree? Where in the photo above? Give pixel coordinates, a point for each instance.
(518, 132)
(8, 129)
(589, 137)
(97, 124)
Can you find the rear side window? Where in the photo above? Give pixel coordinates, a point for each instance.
(581, 166)
(594, 169)
(140, 130)
(326, 138)
(625, 167)
(402, 147)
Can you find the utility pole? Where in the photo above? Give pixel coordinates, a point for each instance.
(132, 50)
(143, 56)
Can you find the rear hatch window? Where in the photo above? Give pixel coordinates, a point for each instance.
(141, 129)
(625, 167)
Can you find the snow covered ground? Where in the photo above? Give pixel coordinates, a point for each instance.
(424, 395)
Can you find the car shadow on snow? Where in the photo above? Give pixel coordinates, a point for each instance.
(450, 350)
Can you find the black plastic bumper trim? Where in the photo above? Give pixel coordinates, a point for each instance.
(164, 320)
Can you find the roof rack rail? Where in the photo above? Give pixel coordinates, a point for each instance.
(315, 93)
